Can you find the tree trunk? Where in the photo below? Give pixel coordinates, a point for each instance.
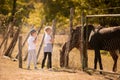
(6, 35)
(12, 44)
(12, 18)
(20, 51)
(40, 46)
(26, 56)
(23, 43)
(84, 56)
(69, 37)
(6, 43)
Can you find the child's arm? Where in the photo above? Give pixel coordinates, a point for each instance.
(52, 40)
(35, 41)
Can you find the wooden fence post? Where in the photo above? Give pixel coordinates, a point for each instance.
(6, 35)
(40, 46)
(84, 56)
(25, 41)
(66, 58)
(20, 51)
(9, 51)
(53, 29)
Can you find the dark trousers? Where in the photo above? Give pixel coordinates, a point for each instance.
(49, 54)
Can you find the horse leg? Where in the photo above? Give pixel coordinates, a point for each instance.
(95, 60)
(100, 61)
(115, 58)
(66, 60)
(62, 59)
(98, 58)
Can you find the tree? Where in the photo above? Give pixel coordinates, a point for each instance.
(105, 7)
(60, 8)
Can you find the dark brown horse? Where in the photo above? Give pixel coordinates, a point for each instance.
(98, 39)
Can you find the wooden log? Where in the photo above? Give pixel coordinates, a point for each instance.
(24, 42)
(38, 53)
(53, 30)
(64, 70)
(12, 19)
(25, 39)
(71, 19)
(26, 56)
(6, 43)
(20, 51)
(12, 44)
(84, 57)
(6, 35)
(41, 26)
(103, 15)
(107, 72)
(69, 37)
(10, 52)
(4, 40)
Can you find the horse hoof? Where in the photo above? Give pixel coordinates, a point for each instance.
(114, 70)
(101, 73)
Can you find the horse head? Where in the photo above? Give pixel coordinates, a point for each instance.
(74, 41)
(87, 31)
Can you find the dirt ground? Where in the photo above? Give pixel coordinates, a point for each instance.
(9, 71)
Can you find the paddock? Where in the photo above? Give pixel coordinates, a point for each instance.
(82, 62)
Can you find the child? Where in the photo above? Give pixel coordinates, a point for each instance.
(31, 48)
(47, 48)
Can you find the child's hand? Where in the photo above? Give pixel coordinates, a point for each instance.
(36, 38)
(52, 40)
(35, 41)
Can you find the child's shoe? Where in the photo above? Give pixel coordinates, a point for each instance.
(35, 68)
(50, 69)
(41, 69)
(28, 68)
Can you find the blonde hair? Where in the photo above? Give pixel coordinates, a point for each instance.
(47, 28)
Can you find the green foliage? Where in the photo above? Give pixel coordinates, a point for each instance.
(5, 6)
(2, 23)
(36, 15)
(105, 7)
(33, 11)
(22, 9)
(60, 8)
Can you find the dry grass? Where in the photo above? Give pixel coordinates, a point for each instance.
(10, 69)
(74, 54)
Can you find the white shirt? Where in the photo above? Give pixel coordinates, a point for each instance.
(47, 39)
(31, 44)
